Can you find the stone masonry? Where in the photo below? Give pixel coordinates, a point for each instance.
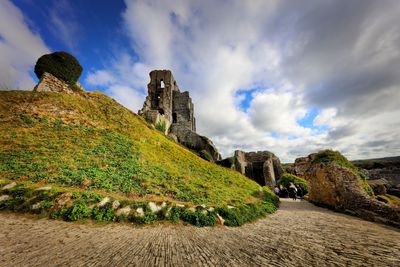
(262, 166)
(165, 103)
(50, 83)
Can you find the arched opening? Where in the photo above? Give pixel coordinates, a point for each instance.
(162, 85)
(161, 111)
(174, 118)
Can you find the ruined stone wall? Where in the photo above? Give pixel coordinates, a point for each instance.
(165, 103)
(160, 96)
(262, 166)
(50, 83)
(183, 110)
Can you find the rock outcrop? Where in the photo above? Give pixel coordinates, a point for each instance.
(50, 83)
(340, 188)
(196, 142)
(301, 165)
(175, 110)
(262, 166)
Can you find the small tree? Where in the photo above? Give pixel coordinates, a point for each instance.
(60, 64)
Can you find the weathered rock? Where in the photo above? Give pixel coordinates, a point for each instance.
(115, 204)
(220, 220)
(123, 211)
(195, 142)
(340, 188)
(262, 166)
(301, 165)
(37, 205)
(44, 188)
(4, 197)
(153, 207)
(50, 83)
(9, 186)
(139, 212)
(104, 201)
(63, 199)
(379, 186)
(167, 106)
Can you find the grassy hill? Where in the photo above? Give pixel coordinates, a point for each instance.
(87, 142)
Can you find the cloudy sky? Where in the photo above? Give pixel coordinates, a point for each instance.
(291, 77)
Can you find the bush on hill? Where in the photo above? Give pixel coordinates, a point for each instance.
(61, 64)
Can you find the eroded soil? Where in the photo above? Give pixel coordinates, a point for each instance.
(299, 234)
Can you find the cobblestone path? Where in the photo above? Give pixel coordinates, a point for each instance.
(299, 234)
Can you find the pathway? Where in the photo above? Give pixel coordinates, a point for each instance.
(299, 234)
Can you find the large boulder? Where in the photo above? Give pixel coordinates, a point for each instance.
(335, 183)
(262, 166)
(201, 144)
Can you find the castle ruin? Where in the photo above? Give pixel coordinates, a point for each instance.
(166, 104)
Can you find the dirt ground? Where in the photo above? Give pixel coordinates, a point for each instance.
(299, 234)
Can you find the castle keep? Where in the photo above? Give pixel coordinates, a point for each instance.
(166, 104)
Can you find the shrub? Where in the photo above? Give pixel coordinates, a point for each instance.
(61, 64)
(161, 126)
(288, 178)
(79, 210)
(105, 213)
(147, 218)
(198, 218)
(330, 156)
(245, 213)
(175, 214)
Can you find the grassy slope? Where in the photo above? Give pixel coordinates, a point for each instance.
(89, 141)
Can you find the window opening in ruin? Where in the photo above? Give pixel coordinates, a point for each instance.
(174, 118)
(161, 111)
(162, 85)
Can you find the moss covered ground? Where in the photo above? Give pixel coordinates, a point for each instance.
(89, 142)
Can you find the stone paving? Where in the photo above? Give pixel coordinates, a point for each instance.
(299, 234)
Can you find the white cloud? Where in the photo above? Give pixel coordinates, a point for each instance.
(325, 117)
(337, 56)
(100, 77)
(20, 48)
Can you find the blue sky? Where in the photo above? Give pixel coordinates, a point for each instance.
(291, 77)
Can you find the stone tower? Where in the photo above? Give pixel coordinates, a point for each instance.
(165, 103)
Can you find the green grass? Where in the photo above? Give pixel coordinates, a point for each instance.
(84, 205)
(288, 178)
(88, 141)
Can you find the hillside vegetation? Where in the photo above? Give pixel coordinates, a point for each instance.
(87, 142)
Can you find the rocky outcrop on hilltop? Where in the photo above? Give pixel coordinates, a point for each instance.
(337, 185)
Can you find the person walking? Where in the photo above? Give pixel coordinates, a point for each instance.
(292, 191)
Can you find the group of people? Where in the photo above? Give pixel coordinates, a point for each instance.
(293, 191)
